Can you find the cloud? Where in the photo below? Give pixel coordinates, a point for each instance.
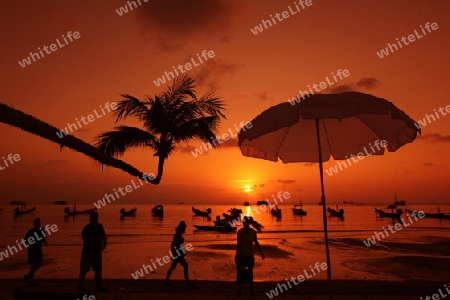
(54, 162)
(428, 164)
(434, 138)
(264, 96)
(310, 164)
(173, 24)
(231, 143)
(366, 83)
(210, 72)
(186, 149)
(286, 181)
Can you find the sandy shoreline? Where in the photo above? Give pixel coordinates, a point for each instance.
(145, 289)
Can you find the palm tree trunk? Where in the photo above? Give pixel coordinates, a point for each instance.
(17, 118)
(161, 160)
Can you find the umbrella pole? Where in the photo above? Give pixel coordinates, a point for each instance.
(324, 211)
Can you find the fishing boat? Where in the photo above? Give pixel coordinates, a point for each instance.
(262, 202)
(199, 213)
(216, 228)
(235, 223)
(222, 222)
(75, 212)
(158, 211)
(335, 212)
(398, 202)
(17, 212)
(437, 215)
(276, 212)
(298, 210)
(246, 203)
(383, 214)
(234, 213)
(131, 213)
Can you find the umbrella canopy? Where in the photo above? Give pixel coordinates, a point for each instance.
(324, 125)
(349, 122)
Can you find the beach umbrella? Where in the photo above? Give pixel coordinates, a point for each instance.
(316, 127)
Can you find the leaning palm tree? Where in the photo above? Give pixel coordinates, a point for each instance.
(31, 124)
(170, 118)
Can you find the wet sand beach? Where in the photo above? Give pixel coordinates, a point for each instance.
(410, 274)
(153, 289)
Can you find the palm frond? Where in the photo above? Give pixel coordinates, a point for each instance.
(203, 129)
(181, 87)
(211, 104)
(130, 106)
(116, 142)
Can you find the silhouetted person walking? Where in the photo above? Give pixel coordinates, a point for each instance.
(94, 242)
(245, 258)
(178, 255)
(35, 239)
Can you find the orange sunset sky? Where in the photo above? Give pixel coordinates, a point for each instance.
(125, 54)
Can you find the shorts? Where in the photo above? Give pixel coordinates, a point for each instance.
(180, 260)
(244, 262)
(35, 256)
(90, 262)
(244, 266)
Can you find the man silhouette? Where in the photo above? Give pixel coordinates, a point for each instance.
(35, 255)
(245, 258)
(94, 242)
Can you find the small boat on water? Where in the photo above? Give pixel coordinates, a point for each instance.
(246, 203)
(234, 213)
(276, 212)
(216, 228)
(75, 212)
(338, 213)
(17, 212)
(298, 210)
(235, 222)
(199, 213)
(437, 215)
(262, 202)
(131, 213)
(383, 214)
(158, 211)
(222, 222)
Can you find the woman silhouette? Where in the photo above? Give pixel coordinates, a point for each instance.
(177, 255)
